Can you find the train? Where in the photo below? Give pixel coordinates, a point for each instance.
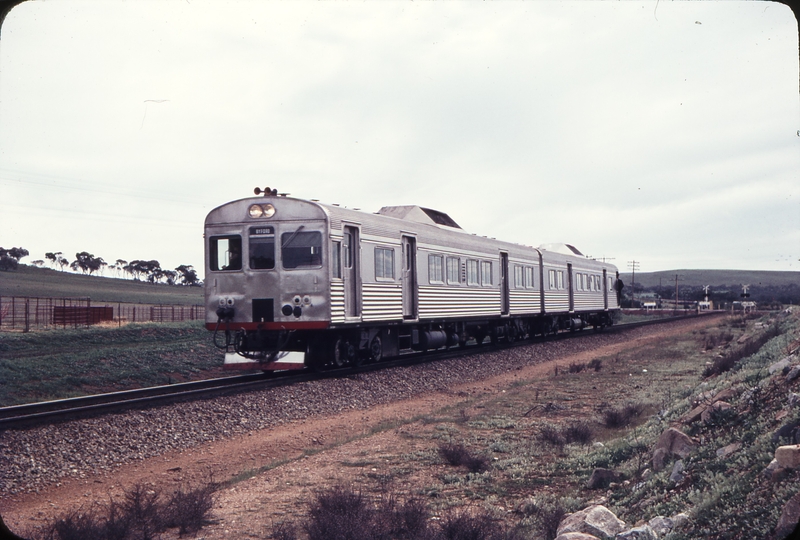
(293, 284)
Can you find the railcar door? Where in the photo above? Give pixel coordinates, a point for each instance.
(350, 271)
(605, 289)
(504, 302)
(570, 288)
(409, 277)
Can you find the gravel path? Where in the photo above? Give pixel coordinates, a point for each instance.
(32, 459)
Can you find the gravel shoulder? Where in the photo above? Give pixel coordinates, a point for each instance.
(282, 443)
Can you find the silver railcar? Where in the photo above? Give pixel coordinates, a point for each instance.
(342, 286)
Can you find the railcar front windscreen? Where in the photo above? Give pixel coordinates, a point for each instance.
(299, 249)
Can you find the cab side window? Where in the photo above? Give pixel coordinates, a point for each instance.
(225, 252)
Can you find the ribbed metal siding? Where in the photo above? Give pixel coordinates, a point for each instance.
(382, 302)
(588, 301)
(439, 302)
(556, 301)
(337, 301)
(524, 302)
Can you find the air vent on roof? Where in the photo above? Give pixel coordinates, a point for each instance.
(419, 215)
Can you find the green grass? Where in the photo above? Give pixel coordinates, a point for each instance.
(44, 283)
(41, 366)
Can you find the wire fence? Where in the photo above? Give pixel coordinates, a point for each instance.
(26, 313)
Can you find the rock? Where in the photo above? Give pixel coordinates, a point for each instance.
(671, 442)
(729, 449)
(788, 456)
(708, 414)
(793, 373)
(788, 431)
(676, 477)
(789, 517)
(637, 533)
(601, 478)
(679, 520)
(661, 525)
(576, 536)
(693, 415)
(779, 365)
(794, 399)
(703, 398)
(595, 520)
(774, 472)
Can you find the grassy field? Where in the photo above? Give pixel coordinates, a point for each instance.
(44, 282)
(40, 366)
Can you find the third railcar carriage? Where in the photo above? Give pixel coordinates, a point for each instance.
(341, 286)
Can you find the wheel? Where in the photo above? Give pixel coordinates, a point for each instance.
(511, 333)
(339, 352)
(376, 349)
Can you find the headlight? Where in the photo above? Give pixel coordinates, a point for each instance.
(261, 210)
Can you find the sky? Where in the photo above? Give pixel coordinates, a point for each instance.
(663, 132)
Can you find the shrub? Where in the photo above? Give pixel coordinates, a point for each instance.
(580, 433)
(575, 367)
(551, 435)
(457, 455)
(621, 416)
(595, 364)
(142, 514)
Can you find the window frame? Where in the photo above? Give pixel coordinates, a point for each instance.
(473, 264)
(213, 256)
(486, 282)
(449, 261)
(435, 273)
(381, 252)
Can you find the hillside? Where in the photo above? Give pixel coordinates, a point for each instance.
(718, 278)
(43, 282)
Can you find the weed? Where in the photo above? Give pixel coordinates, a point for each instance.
(595, 364)
(552, 435)
(575, 367)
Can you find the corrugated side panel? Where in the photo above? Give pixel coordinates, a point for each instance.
(437, 302)
(586, 301)
(555, 301)
(337, 301)
(382, 302)
(524, 302)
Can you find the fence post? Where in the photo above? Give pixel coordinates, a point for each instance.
(27, 315)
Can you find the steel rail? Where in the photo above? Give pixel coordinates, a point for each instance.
(31, 414)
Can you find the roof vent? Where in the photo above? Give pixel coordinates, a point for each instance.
(564, 249)
(419, 215)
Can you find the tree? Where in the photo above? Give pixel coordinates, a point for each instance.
(188, 275)
(38, 263)
(120, 265)
(87, 262)
(9, 258)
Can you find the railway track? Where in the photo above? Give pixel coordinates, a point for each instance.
(29, 415)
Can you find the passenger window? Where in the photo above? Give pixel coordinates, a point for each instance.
(560, 276)
(435, 270)
(453, 270)
(529, 280)
(347, 247)
(472, 272)
(384, 263)
(225, 252)
(486, 273)
(300, 249)
(336, 259)
(262, 248)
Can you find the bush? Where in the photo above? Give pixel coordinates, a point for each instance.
(621, 416)
(457, 455)
(142, 514)
(551, 435)
(580, 433)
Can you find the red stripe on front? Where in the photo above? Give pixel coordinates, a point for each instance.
(310, 325)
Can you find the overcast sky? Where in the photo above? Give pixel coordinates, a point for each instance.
(662, 132)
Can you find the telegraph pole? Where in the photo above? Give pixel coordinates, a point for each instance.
(633, 265)
(676, 290)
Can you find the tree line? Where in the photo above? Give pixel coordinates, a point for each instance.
(86, 263)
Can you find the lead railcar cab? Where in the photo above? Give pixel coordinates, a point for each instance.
(341, 286)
